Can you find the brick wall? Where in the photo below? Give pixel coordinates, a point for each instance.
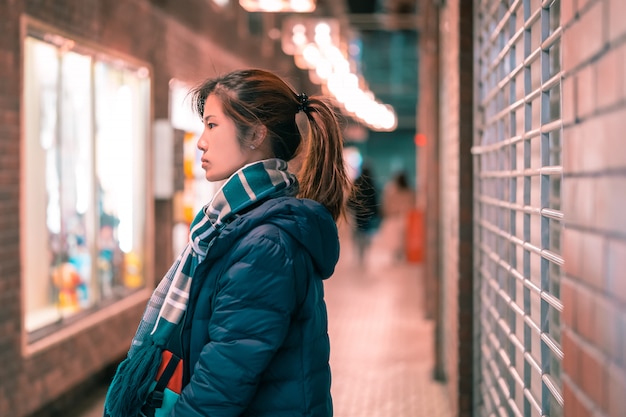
(449, 164)
(182, 39)
(594, 240)
(428, 196)
(9, 196)
(456, 136)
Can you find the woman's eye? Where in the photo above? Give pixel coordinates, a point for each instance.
(210, 125)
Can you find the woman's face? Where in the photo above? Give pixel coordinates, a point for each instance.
(222, 154)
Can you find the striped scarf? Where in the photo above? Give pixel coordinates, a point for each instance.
(168, 303)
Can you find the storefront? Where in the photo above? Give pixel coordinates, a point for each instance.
(85, 164)
(85, 220)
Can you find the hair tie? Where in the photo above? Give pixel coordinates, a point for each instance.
(304, 103)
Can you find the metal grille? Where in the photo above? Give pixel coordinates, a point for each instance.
(517, 159)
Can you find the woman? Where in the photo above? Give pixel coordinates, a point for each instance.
(398, 201)
(243, 304)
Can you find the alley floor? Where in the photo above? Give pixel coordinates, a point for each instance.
(381, 343)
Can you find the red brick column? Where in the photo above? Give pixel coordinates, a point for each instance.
(428, 153)
(456, 131)
(594, 239)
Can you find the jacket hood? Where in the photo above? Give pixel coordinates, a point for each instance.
(307, 221)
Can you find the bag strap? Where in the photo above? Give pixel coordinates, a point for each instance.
(155, 398)
(174, 346)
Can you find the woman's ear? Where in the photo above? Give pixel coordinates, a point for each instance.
(258, 136)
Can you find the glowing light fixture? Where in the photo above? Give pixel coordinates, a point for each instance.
(316, 46)
(291, 6)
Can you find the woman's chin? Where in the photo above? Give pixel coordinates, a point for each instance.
(214, 178)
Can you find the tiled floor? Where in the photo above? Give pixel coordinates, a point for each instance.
(381, 345)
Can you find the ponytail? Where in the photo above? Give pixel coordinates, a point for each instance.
(322, 176)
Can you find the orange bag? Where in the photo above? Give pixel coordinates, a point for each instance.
(415, 236)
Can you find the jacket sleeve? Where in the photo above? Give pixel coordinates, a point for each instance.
(254, 302)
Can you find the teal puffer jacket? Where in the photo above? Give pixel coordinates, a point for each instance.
(255, 338)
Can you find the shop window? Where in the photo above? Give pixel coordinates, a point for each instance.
(86, 121)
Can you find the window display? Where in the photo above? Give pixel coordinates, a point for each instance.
(86, 120)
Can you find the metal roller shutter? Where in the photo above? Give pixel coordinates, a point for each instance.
(518, 173)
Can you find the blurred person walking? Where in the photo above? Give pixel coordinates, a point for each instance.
(238, 326)
(364, 208)
(398, 201)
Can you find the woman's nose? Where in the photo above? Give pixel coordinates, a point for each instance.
(201, 143)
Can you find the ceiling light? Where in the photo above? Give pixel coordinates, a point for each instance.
(292, 6)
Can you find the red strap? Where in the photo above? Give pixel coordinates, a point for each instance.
(175, 382)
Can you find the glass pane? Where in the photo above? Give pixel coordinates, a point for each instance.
(57, 184)
(42, 209)
(121, 115)
(72, 267)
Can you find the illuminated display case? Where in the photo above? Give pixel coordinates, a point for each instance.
(86, 119)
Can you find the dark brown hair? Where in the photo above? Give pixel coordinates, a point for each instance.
(256, 97)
